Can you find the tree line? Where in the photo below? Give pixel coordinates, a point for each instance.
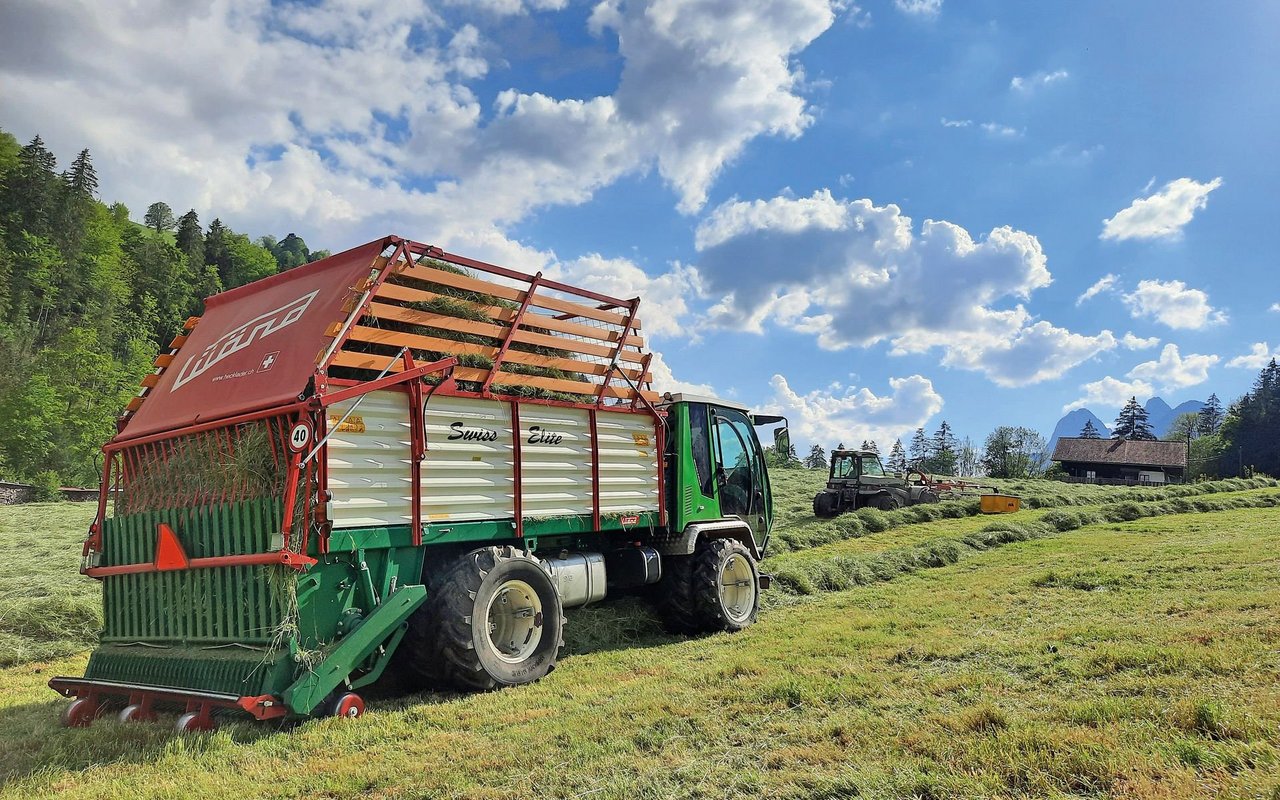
(1243, 439)
(87, 298)
(1007, 452)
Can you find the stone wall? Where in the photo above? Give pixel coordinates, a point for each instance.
(14, 493)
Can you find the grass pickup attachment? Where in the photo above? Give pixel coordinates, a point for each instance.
(402, 459)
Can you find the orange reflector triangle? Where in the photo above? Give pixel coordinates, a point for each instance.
(169, 552)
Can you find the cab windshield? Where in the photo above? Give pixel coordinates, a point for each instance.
(844, 467)
(871, 467)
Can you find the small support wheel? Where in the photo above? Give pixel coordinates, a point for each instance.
(349, 705)
(196, 722)
(81, 713)
(136, 712)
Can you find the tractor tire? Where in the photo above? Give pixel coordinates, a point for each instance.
(884, 502)
(927, 496)
(493, 619)
(824, 505)
(715, 589)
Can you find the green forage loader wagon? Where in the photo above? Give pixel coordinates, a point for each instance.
(402, 458)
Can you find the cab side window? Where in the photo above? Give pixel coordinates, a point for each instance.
(700, 446)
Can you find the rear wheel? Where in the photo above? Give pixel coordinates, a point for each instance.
(885, 502)
(493, 619)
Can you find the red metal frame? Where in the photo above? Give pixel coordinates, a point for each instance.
(511, 335)
(286, 558)
(595, 469)
(431, 251)
(660, 455)
(358, 388)
(617, 354)
(251, 416)
(261, 706)
(517, 438)
(365, 299)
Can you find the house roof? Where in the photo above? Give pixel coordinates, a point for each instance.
(1122, 451)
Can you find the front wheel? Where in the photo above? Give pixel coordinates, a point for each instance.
(825, 504)
(495, 619)
(715, 589)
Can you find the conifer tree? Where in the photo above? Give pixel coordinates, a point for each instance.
(191, 240)
(1132, 423)
(1210, 416)
(919, 446)
(897, 457)
(817, 458)
(1089, 431)
(82, 178)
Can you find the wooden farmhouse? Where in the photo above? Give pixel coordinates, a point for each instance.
(1122, 461)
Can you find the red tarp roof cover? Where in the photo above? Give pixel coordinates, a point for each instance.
(256, 345)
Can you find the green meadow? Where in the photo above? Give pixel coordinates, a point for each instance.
(1104, 642)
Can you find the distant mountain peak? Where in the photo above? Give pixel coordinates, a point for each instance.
(1159, 415)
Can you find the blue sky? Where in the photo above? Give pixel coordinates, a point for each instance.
(869, 217)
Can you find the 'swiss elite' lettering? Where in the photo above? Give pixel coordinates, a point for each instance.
(234, 341)
(538, 436)
(461, 431)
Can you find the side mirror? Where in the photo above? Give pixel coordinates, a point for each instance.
(781, 440)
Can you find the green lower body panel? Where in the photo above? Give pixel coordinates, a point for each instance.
(229, 670)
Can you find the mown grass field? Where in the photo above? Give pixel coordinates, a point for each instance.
(1122, 646)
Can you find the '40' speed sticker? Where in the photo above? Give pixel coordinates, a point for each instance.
(300, 437)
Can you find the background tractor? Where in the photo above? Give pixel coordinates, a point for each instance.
(859, 480)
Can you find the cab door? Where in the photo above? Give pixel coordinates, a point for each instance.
(741, 482)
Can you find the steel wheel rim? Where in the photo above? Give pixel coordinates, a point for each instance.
(514, 621)
(737, 588)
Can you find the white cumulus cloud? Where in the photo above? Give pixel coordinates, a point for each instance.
(351, 118)
(851, 414)
(1163, 214)
(1275, 307)
(1259, 355)
(1170, 372)
(1109, 392)
(1131, 342)
(1174, 304)
(665, 381)
(853, 274)
(1103, 284)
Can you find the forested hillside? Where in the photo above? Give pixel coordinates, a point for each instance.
(87, 298)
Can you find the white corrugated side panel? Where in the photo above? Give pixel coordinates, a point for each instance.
(555, 461)
(469, 476)
(628, 463)
(369, 462)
